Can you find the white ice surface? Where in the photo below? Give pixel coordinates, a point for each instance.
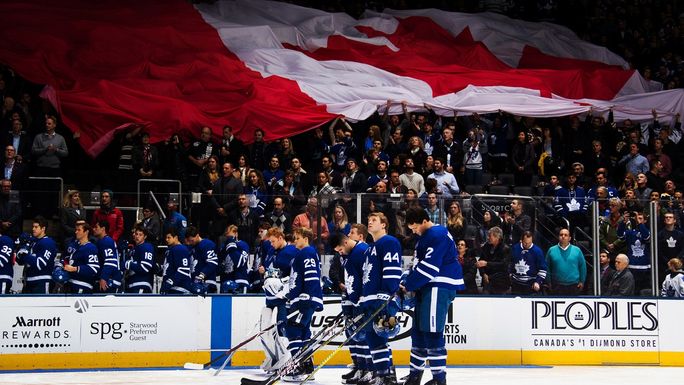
(558, 375)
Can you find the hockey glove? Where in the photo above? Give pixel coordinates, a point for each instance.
(166, 286)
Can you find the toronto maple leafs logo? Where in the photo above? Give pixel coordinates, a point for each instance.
(573, 205)
(367, 267)
(293, 280)
(349, 283)
(521, 267)
(671, 242)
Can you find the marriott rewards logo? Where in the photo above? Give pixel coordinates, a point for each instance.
(35, 333)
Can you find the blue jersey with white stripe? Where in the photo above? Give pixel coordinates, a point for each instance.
(6, 249)
(284, 258)
(353, 272)
(305, 278)
(265, 254)
(381, 269)
(85, 259)
(638, 249)
(108, 256)
(205, 260)
(435, 263)
(141, 266)
(40, 261)
(528, 265)
(236, 254)
(177, 265)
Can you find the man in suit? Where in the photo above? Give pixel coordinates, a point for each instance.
(15, 170)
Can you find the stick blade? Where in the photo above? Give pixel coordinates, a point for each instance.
(193, 366)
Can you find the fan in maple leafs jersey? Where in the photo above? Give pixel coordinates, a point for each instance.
(528, 266)
(638, 251)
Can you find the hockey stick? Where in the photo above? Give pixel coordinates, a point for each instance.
(343, 344)
(304, 354)
(229, 352)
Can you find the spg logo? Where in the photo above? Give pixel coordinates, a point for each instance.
(107, 330)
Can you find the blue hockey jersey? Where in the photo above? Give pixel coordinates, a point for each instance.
(141, 267)
(567, 201)
(177, 265)
(305, 278)
(6, 269)
(527, 265)
(110, 268)
(236, 256)
(284, 258)
(637, 241)
(353, 272)
(435, 262)
(40, 261)
(381, 269)
(205, 260)
(85, 259)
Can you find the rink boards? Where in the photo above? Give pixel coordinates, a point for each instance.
(40, 332)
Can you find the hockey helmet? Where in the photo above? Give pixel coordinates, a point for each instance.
(229, 287)
(198, 288)
(387, 327)
(60, 276)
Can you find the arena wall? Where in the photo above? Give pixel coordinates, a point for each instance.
(67, 332)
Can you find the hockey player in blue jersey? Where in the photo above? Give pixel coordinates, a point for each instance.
(108, 255)
(435, 278)
(276, 263)
(380, 280)
(83, 265)
(304, 297)
(353, 249)
(528, 266)
(140, 267)
(638, 250)
(235, 254)
(6, 263)
(204, 259)
(39, 260)
(177, 265)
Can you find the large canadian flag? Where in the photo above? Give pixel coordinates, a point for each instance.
(175, 67)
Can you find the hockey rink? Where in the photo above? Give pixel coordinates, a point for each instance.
(485, 375)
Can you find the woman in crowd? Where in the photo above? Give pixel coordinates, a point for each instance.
(243, 166)
(629, 183)
(489, 220)
(467, 257)
(455, 221)
(292, 195)
(417, 152)
(340, 221)
(256, 192)
(71, 212)
(287, 152)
